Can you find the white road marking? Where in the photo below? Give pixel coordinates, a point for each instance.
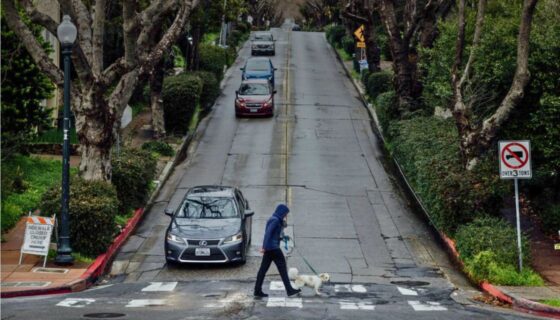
(284, 302)
(237, 297)
(428, 306)
(349, 305)
(358, 288)
(100, 287)
(407, 292)
(279, 285)
(75, 302)
(138, 303)
(160, 286)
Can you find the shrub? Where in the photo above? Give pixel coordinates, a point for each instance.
(180, 94)
(491, 234)
(379, 82)
(364, 76)
(550, 217)
(484, 267)
(133, 172)
(210, 89)
(213, 59)
(234, 38)
(159, 147)
(93, 207)
(427, 150)
(386, 108)
(334, 34)
(347, 43)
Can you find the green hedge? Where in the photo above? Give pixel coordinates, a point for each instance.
(427, 149)
(210, 89)
(379, 82)
(488, 246)
(181, 94)
(159, 147)
(334, 34)
(213, 59)
(93, 208)
(347, 43)
(386, 108)
(133, 173)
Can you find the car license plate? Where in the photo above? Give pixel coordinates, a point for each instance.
(202, 252)
(254, 110)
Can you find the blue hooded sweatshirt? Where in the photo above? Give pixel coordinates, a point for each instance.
(274, 228)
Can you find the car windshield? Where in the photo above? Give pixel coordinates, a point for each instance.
(258, 65)
(256, 89)
(207, 208)
(263, 37)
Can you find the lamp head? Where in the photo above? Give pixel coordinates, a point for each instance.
(66, 31)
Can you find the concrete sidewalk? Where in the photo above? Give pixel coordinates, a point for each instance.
(526, 299)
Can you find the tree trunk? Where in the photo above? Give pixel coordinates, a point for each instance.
(404, 79)
(373, 52)
(156, 102)
(94, 127)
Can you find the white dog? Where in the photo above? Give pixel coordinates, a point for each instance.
(311, 281)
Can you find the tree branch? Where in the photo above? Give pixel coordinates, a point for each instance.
(98, 32)
(30, 42)
(151, 18)
(38, 17)
(130, 32)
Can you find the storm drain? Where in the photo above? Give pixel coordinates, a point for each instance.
(25, 284)
(50, 270)
(104, 315)
(411, 283)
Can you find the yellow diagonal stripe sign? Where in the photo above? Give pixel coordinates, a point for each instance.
(359, 33)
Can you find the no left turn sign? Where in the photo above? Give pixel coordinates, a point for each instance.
(515, 159)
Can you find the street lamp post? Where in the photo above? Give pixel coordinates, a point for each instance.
(66, 35)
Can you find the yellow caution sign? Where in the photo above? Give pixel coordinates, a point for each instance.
(557, 246)
(361, 44)
(359, 33)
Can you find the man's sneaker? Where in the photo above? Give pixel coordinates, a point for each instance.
(293, 292)
(260, 295)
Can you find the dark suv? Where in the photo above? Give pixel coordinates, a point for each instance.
(212, 225)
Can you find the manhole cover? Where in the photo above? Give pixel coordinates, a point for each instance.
(410, 283)
(104, 315)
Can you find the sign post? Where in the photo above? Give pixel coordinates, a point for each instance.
(37, 238)
(515, 163)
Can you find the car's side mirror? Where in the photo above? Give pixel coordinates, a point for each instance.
(236, 92)
(274, 92)
(169, 212)
(275, 69)
(242, 69)
(249, 213)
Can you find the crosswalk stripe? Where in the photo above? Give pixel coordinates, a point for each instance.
(137, 303)
(279, 285)
(428, 306)
(349, 305)
(407, 292)
(75, 302)
(160, 286)
(284, 302)
(358, 288)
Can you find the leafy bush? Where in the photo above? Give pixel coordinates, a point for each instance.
(491, 234)
(427, 150)
(180, 94)
(347, 43)
(364, 76)
(213, 59)
(386, 108)
(484, 267)
(550, 217)
(133, 172)
(93, 207)
(159, 147)
(334, 34)
(210, 89)
(379, 82)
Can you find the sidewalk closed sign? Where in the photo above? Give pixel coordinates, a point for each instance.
(37, 235)
(515, 159)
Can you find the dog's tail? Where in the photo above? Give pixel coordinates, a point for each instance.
(293, 273)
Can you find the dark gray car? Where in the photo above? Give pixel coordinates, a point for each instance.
(263, 43)
(212, 225)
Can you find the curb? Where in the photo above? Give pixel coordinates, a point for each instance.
(92, 272)
(519, 304)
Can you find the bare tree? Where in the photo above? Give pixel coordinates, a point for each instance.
(361, 12)
(100, 94)
(403, 30)
(475, 139)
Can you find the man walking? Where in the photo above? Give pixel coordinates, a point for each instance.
(272, 252)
